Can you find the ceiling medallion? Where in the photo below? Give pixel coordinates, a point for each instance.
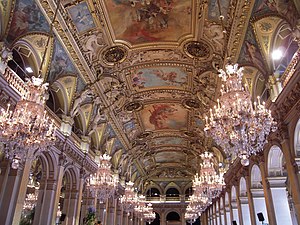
(114, 55)
(197, 49)
(133, 106)
(191, 104)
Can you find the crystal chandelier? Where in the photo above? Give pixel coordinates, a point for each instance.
(208, 182)
(129, 199)
(149, 215)
(28, 126)
(30, 201)
(140, 206)
(236, 124)
(104, 182)
(191, 213)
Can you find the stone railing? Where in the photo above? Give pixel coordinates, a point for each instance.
(14, 81)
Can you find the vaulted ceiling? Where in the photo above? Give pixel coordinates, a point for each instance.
(151, 67)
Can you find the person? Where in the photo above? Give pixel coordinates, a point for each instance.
(99, 223)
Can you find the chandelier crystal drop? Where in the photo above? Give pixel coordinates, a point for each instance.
(129, 199)
(28, 126)
(104, 183)
(237, 125)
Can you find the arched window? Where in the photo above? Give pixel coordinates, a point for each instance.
(284, 42)
(172, 192)
(153, 192)
(24, 61)
(173, 216)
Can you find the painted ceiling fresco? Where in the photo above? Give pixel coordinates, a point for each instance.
(159, 76)
(138, 76)
(138, 22)
(82, 17)
(164, 116)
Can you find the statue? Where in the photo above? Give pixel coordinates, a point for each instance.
(87, 93)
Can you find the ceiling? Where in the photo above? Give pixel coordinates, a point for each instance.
(151, 66)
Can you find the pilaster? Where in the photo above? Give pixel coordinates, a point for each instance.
(267, 194)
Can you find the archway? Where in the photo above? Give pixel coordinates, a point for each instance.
(258, 193)
(244, 202)
(172, 194)
(173, 218)
(278, 184)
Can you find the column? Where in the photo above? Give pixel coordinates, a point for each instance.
(222, 212)
(79, 198)
(39, 203)
(115, 212)
(250, 201)
(72, 207)
(4, 168)
(106, 213)
(278, 190)
(10, 192)
(268, 195)
(65, 206)
(291, 168)
(21, 192)
(239, 207)
(52, 197)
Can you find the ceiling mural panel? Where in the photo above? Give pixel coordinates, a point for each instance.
(158, 77)
(27, 18)
(251, 52)
(61, 63)
(81, 17)
(169, 157)
(164, 116)
(138, 22)
(169, 141)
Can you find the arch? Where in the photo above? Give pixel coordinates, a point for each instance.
(172, 185)
(221, 203)
(172, 192)
(283, 40)
(173, 216)
(297, 139)
(51, 163)
(233, 193)
(226, 198)
(153, 192)
(24, 56)
(243, 187)
(256, 177)
(275, 161)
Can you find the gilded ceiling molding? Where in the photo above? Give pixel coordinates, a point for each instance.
(89, 75)
(238, 29)
(10, 17)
